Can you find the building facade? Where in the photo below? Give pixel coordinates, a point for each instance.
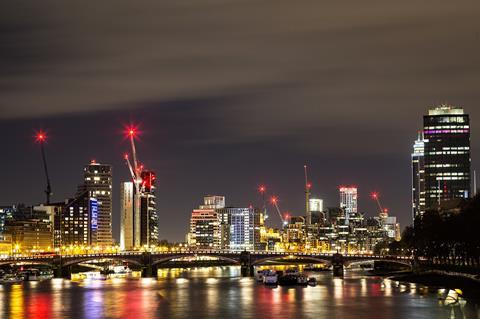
(447, 155)
(126, 215)
(418, 177)
(98, 184)
(240, 228)
(348, 201)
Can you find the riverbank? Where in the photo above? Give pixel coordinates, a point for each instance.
(470, 285)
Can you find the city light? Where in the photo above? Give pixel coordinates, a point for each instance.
(40, 136)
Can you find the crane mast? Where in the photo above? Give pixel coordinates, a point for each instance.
(307, 197)
(134, 171)
(41, 137)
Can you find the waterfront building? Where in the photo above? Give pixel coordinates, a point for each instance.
(145, 213)
(205, 231)
(98, 184)
(79, 222)
(126, 215)
(30, 235)
(148, 210)
(348, 201)
(418, 176)
(6, 244)
(446, 131)
(240, 228)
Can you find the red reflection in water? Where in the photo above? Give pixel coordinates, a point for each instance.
(40, 306)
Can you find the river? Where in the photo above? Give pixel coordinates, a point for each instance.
(220, 292)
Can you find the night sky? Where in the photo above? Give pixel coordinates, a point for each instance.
(230, 94)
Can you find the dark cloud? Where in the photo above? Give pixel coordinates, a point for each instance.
(340, 84)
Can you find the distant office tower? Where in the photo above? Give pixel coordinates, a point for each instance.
(213, 202)
(145, 214)
(447, 155)
(148, 210)
(205, 231)
(98, 185)
(418, 176)
(126, 215)
(79, 221)
(241, 228)
(348, 201)
(316, 210)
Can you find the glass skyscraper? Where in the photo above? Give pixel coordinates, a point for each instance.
(446, 131)
(418, 176)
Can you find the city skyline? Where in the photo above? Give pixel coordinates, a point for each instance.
(339, 87)
(365, 203)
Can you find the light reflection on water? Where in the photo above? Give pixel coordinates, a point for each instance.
(220, 292)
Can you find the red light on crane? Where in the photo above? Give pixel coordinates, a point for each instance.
(274, 200)
(131, 131)
(262, 189)
(374, 195)
(309, 185)
(41, 137)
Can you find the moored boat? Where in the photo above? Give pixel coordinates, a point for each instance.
(270, 278)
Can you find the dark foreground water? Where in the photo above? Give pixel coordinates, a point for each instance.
(220, 292)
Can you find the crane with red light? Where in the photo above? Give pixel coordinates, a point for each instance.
(262, 190)
(383, 212)
(308, 186)
(135, 173)
(274, 202)
(41, 138)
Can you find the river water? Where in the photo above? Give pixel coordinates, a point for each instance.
(220, 292)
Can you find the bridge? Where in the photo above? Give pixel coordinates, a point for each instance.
(149, 262)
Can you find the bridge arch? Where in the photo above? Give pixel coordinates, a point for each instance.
(261, 260)
(162, 259)
(349, 263)
(75, 261)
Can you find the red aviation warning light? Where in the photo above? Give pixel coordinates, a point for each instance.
(262, 189)
(374, 195)
(131, 131)
(40, 137)
(274, 200)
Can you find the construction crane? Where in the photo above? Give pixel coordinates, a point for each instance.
(41, 138)
(135, 173)
(308, 186)
(383, 212)
(274, 202)
(262, 190)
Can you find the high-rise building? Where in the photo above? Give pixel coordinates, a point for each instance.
(316, 211)
(126, 215)
(79, 221)
(205, 231)
(348, 201)
(418, 176)
(98, 185)
(148, 210)
(241, 228)
(446, 131)
(138, 224)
